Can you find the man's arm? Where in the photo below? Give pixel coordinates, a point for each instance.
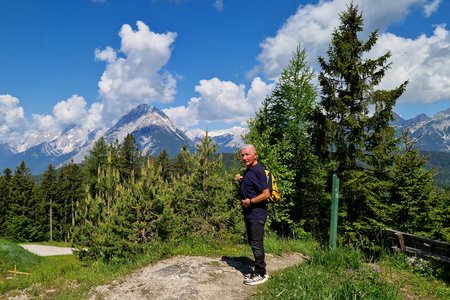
(265, 194)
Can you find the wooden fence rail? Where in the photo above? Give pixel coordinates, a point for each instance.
(418, 246)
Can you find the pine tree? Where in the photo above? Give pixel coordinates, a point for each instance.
(5, 198)
(97, 159)
(136, 213)
(71, 190)
(49, 190)
(352, 134)
(412, 189)
(213, 200)
(183, 163)
(129, 159)
(280, 134)
(20, 223)
(162, 161)
(437, 216)
(348, 83)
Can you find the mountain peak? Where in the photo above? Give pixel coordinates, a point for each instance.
(442, 114)
(138, 112)
(152, 129)
(420, 118)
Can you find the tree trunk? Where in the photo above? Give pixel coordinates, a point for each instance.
(51, 221)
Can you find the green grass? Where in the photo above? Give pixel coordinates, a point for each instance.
(277, 246)
(419, 281)
(344, 274)
(327, 275)
(13, 255)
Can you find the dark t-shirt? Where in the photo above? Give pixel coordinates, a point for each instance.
(253, 183)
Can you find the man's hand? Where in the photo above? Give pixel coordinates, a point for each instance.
(246, 202)
(238, 177)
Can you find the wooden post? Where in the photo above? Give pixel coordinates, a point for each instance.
(401, 241)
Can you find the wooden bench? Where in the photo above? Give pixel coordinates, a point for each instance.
(417, 246)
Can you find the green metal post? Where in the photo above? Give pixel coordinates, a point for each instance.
(334, 212)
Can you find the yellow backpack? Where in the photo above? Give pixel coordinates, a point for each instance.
(275, 195)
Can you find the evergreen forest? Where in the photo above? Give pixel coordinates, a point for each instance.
(120, 200)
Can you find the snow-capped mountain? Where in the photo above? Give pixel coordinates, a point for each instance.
(417, 121)
(58, 151)
(34, 139)
(432, 134)
(227, 140)
(152, 130)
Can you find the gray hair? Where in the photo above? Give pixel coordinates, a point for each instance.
(249, 146)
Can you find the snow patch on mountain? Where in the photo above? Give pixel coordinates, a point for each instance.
(227, 140)
(432, 134)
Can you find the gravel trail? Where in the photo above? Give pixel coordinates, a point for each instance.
(191, 277)
(180, 278)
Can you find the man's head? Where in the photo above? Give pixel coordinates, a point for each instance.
(248, 155)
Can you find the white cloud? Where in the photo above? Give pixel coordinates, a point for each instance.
(12, 120)
(94, 117)
(184, 117)
(137, 77)
(431, 7)
(44, 123)
(70, 111)
(221, 101)
(422, 61)
(108, 54)
(312, 25)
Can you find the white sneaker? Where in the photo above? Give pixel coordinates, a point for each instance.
(256, 279)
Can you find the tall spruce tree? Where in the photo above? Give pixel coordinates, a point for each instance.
(183, 163)
(352, 134)
(70, 191)
(280, 133)
(163, 162)
(49, 191)
(412, 189)
(5, 198)
(97, 159)
(212, 191)
(20, 217)
(129, 159)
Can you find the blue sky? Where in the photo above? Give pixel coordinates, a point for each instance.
(204, 62)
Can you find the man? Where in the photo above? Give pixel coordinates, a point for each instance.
(254, 193)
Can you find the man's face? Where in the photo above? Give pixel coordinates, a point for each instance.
(248, 156)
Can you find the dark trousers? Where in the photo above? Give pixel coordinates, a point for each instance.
(255, 235)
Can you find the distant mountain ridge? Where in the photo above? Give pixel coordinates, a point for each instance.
(432, 134)
(155, 132)
(227, 140)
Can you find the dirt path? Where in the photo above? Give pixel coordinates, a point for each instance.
(191, 277)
